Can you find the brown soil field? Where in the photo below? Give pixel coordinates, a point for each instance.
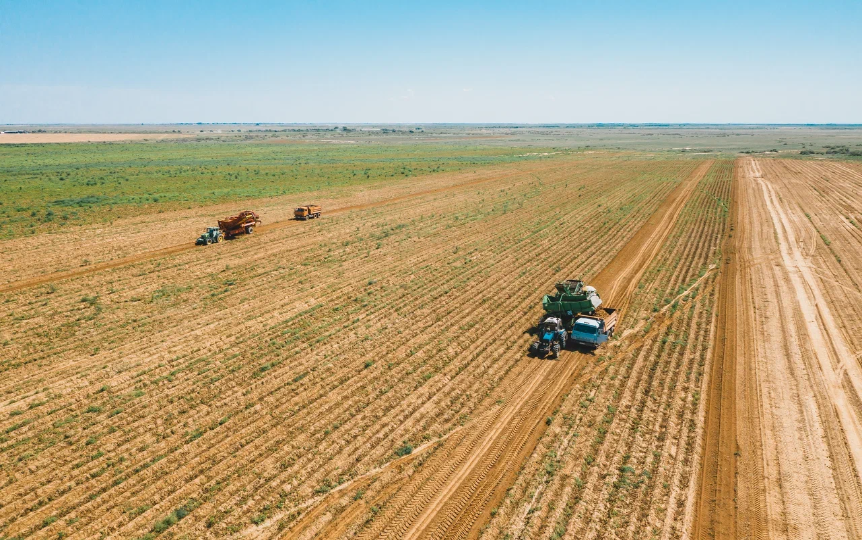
(366, 374)
(786, 437)
(44, 138)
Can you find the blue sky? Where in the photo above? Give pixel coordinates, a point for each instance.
(184, 61)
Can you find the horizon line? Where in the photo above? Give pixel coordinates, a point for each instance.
(478, 124)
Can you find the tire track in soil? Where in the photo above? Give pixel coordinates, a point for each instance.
(715, 509)
(462, 499)
(840, 373)
(180, 248)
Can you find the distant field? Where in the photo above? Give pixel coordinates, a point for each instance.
(36, 138)
(48, 187)
(785, 140)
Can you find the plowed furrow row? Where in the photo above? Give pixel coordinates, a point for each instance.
(687, 256)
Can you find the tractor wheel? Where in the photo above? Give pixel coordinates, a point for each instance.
(209, 241)
(249, 229)
(555, 350)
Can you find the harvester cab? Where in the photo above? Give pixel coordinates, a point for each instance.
(552, 337)
(212, 235)
(592, 296)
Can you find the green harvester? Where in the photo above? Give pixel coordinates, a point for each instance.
(571, 298)
(568, 313)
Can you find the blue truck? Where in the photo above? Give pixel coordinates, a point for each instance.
(593, 330)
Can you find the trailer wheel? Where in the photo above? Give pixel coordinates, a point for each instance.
(249, 229)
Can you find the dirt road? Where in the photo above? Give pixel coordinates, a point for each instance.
(786, 413)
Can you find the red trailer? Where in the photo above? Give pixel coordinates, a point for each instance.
(242, 223)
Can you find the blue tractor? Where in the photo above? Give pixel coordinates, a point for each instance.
(552, 337)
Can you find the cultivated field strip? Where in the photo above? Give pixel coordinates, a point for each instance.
(798, 390)
(619, 456)
(454, 496)
(247, 380)
(519, 351)
(249, 251)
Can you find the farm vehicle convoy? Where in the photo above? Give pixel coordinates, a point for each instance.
(245, 222)
(573, 316)
(230, 227)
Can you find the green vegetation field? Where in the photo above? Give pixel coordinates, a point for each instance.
(45, 187)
